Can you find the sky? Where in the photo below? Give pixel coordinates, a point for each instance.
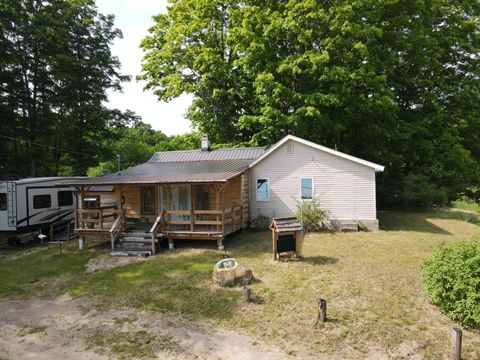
(134, 18)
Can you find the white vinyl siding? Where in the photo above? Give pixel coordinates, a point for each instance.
(345, 188)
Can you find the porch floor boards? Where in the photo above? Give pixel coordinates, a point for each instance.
(202, 232)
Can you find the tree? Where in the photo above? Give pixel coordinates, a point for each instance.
(56, 70)
(390, 81)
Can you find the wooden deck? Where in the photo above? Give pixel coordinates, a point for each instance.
(170, 224)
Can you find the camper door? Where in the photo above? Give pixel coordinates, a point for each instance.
(3, 208)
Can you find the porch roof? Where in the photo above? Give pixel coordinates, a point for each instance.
(170, 172)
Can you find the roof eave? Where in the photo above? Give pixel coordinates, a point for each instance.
(376, 167)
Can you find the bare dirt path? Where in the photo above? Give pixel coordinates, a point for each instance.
(61, 329)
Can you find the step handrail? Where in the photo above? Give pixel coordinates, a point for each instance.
(154, 231)
(117, 227)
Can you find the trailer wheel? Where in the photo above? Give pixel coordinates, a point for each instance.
(14, 241)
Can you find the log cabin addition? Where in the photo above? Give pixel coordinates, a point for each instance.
(194, 194)
(209, 194)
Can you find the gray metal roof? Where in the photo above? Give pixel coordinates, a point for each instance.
(212, 155)
(172, 172)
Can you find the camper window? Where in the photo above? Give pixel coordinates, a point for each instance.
(65, 198)
(42, 201)
(3, 201)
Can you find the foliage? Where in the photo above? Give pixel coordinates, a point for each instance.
(310, 214)
(419, 192)
(55, 70)
(391, 81)
(466, 203)
(136, 144)
(452, 281)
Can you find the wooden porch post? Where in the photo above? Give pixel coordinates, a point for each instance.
(192, 207)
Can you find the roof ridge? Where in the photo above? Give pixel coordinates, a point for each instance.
(200, 150)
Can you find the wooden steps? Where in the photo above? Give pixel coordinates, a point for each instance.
(133, 244)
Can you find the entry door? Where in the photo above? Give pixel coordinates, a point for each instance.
(181, 200)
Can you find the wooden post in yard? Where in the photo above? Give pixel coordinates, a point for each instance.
(456, 344)
(274, 244)
(246, 294)
(322, 311)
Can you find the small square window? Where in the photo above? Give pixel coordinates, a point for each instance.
(42, 201)
(262, 190)
(306, 188)
(91, 202)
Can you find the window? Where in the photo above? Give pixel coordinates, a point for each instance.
(65, 198)
(42, 201)
(262, 190)
(183, 198)
(148, 200)
(3, 201)
(306, 188)
(202, 197)
(91, 202)
(165, 198)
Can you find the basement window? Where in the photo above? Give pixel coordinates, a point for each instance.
(262, 190)
(306, 188)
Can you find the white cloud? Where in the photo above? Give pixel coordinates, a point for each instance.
(134, 18)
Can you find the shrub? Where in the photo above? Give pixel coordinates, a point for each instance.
(310, 214)
(452, 281)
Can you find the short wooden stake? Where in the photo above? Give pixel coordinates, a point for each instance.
(456, 344)
(246, 294)
(322, 311)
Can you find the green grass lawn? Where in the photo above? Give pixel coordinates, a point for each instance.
(371, 281)
(466, 204)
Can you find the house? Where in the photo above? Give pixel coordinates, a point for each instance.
(208, 194)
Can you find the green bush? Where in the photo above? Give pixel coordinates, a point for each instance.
(310, 214)
(452, 281)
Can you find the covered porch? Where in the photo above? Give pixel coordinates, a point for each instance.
(172, 211)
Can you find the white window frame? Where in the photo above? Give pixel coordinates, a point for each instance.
(313, 186)
(268, 189)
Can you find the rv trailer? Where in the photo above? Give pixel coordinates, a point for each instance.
(33, 204)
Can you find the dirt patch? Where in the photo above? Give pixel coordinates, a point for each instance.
(38, 329)
(104, 262)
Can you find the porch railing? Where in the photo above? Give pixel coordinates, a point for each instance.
(155, 229)
(94, 218)
(209, 220)
(117, 227)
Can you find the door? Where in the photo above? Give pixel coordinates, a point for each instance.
(4, 226)
(181, 200)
